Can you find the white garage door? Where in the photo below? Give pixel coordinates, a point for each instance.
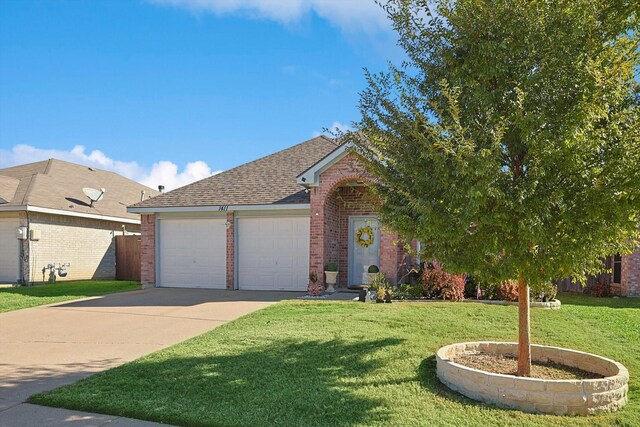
(273, 253)
(192, 253)
(8, 250)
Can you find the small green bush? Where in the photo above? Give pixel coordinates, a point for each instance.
(332, 266)
(373, 269)
(408, 291)
(382, 287)
(545, 292)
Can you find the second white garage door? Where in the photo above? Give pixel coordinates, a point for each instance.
(273, 253)
(9, 247)
(192, 253)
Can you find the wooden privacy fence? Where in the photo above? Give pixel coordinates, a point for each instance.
(128, 258)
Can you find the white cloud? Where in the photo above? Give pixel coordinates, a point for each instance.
(163, 172)
(335, 128)
(348, 15)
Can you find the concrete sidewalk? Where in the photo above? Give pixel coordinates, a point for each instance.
(45, 347)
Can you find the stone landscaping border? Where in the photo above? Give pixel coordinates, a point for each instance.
(558, 397)
(551, 305)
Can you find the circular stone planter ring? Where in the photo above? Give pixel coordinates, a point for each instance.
(559, 397)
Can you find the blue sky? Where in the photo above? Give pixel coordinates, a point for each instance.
(168, 91)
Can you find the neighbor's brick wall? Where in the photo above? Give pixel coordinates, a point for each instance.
(148, 249)
(631, 274)
(230, 250)
(87, 244)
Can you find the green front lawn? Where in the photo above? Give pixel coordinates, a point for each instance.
(32, 296)
(319, 363)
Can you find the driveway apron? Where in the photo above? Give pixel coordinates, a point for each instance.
(45, 347)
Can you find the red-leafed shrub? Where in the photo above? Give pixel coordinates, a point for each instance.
(438, 283)
(507, 291)
(601, 290)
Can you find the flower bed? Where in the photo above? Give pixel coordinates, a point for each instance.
(559, 397)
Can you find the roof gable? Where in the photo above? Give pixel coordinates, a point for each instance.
(311, 176)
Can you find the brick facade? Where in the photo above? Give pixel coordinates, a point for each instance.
(630, 280)
(148, 250)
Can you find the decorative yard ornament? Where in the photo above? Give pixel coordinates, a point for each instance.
(364, 236)
(509, 140)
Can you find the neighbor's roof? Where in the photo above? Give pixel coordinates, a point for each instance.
(56, 184)
(266, 181)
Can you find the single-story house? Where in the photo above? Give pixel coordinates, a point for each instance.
(268, 224)
(44, 202)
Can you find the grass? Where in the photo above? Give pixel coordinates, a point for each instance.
(319, 363)
(33, 296)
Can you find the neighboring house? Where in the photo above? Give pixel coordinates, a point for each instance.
(62, 227)
(267, 224)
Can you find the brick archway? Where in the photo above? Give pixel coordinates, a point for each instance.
(340, 194)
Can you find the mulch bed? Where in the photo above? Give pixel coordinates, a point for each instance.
(507, 365)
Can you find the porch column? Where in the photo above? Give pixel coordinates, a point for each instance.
(148, 249)
(231, 249)
(389, 254)
(316, 238)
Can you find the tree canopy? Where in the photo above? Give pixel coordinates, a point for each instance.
(508, 142)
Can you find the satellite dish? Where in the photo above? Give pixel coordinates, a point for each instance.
(93, 194)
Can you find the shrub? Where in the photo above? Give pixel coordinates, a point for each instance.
(332, 266)
(373, 269)
(545, 292)
(507, 290)
(454, 289)
(414, 276)
(601, 290)
(408, 291)
(471, 287)
(438, 283)
(381, 286)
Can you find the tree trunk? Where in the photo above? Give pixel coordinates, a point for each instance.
(524, 338)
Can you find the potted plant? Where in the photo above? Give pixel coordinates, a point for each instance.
(371, 274)
(314, 288)
(331, 276)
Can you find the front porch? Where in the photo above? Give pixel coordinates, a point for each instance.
(345, 228)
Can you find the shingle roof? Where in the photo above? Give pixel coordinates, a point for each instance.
(56, 184)
(268, 180)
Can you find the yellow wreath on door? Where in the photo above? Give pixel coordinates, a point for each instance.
(364, 231)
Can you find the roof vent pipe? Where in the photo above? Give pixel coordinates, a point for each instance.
(161, 188)
(142, 195)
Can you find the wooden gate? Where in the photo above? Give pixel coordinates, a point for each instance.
(128, 258)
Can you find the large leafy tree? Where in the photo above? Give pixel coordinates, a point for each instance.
(509, 139)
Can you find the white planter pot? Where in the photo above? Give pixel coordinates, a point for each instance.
(331, 278)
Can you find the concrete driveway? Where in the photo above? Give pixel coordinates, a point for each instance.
(45, 347)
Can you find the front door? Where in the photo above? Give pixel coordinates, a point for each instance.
(364, 246)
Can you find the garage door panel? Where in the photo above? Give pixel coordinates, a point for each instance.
(193, 253)
(273, 253)
(9, 250)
